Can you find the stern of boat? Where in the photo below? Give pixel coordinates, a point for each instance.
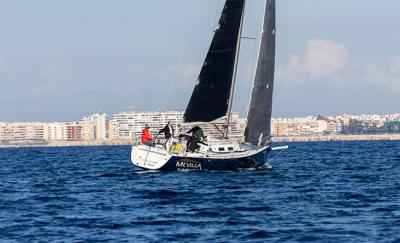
(150, 158)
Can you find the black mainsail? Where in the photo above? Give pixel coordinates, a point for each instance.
(211, 95)
(258, 127)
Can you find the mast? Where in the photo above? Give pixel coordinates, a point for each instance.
(230, 101)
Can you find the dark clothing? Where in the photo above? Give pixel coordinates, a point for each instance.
(150, 144)
(197, 132)
(193, 144)
(167, 132)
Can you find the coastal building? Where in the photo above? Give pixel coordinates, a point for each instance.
(6, 131)
(298, 127)
(55, 131)
(74, 131)
(126, 125)
(95, 127)
(129, 125)
(21, 131)
(334, 127)
(121, 125)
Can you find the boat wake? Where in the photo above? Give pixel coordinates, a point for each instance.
(139, 172)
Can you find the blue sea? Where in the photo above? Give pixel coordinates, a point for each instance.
(316, 192)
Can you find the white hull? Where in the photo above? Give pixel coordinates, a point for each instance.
(157, 158)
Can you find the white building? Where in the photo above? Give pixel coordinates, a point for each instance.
(95, 127)
(6, 131)
(307, 126)
(22, 131)
(334, 127)
(127, 125)
(123, 125)
(55, 131)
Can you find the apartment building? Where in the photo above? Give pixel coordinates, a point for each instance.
(298, 127)
(129, 125)
(94, 127)
(125, 125)
(22, 131)
(334, 127)
(74, 131)
(55, 131)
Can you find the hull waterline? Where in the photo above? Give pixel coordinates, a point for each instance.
(167, 162)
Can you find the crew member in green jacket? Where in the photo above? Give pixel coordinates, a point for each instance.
(196, 139)
(197, 132)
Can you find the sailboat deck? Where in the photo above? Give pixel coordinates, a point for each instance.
(205, 152)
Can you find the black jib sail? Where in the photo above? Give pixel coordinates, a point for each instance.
(258, 127)
(211, 94)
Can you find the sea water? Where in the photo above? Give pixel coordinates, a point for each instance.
(322, 192)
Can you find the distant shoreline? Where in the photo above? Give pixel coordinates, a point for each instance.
(322, 138)
(326, 138)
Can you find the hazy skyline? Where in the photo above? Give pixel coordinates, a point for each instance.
(61, 60)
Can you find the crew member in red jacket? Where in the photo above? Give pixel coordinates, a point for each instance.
(146, 136)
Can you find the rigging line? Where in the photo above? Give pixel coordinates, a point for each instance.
(219, 130)
(283, 150)
(179, 64)
(253, 79)
(217, 13)
(252, 73)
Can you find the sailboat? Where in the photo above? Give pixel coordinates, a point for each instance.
(212, 99)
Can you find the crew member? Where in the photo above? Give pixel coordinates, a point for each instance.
(168, 131)
(193, 144)
(196, 139)
(197, 132)
(146, 136)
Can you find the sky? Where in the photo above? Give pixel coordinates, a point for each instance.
(63, 59)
